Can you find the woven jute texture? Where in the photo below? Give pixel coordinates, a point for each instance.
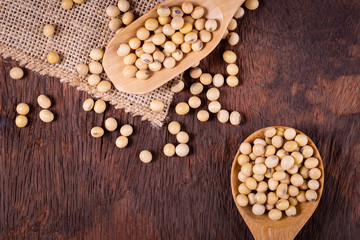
(77, 31)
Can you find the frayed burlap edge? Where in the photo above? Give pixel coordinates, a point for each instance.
(39, 66)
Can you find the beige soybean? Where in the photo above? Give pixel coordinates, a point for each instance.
(21, 121)
(121, 142)
(245, 148)
(307, 151)
(232, 25)
(134, 43)
(198, 12)
(82, 69)
(189, 19)
(232, 69)
(251, 198)
(104, 86)
(229, 56)
(95, 67)
(315, 173)
(126, 130)
(158, 39)
(182, 108)
(242, 200)
(128, 18)
(158, 56)
(275, 214)
(290, 146)
(151, 24)
(194, 102)
(53, 57)
(301, 139)
(291, 211)
(243, 189)
(223, 116)
(176, 12)
(123, 5)
(164, 20)
(313, 184)
(178, 55)
(243, 159)
(239, 13)
(212, 94)
(258, 209)
(88, 104)
(93, 79)
(232, 81)
(123, 50)
(178, 86)
(168, 30)
(169, 150)
(142, 33)
(49, 30)
(214, 107)
(22, 109)
(67, 4)
(111, 124)
(16, 73)
(251, 4)
(203, 115)
(141, 65)
(205, 36)
(112, 11)
(197, 45)
(174, 127)
(145, 156)
(195, 73)
(187, 7)
(115, 24)
(46, 116)
(206, 79)
(235, 118)
(196, 88)
(169, 62)
(277, 141)
(282, 204)
(218, 80)
(211, 25)
(186, 28)
(182, 150)
(142, 74)
(270, 132)
(130, 59)
(287, 162)
(44, 101)
(99, 106)
(199, 24)
(155, 66)
(157, 106)
(182, 137)
(130, 71)
(163, 11)
(296, 180)
(311, 162)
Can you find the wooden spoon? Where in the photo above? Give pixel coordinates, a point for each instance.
(221, 10)
(262, 227)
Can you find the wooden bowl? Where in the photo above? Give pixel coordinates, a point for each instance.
(262, 227)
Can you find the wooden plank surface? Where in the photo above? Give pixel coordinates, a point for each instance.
(300, 67)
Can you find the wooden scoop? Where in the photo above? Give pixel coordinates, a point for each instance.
(221, 10)
(262, 227)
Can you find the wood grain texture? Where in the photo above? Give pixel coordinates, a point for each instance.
(299, 64)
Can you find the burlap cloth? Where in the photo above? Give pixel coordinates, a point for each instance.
(77, 31)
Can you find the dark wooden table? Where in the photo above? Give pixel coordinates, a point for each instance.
(300, 67)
